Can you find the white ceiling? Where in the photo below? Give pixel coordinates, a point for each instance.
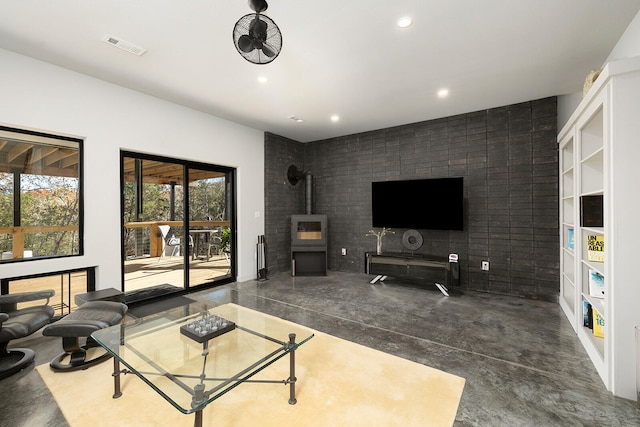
(344, 57)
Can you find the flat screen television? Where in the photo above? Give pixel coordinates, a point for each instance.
(431, 204)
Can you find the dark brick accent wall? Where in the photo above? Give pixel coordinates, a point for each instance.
(281, 200)
(508, 157)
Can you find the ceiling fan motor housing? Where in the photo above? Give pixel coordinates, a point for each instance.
(258, 6)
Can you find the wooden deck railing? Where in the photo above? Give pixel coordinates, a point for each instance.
(155, 236)
(19, 233)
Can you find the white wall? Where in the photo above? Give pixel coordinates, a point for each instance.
(627, 46)
(567, 104)
(41, 96)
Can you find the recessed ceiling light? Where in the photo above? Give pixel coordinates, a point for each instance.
(335, 118)
(404, 22)
(262, 79)
(443, 93)
(296, 119)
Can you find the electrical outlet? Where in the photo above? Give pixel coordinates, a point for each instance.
(485, 265)
(344, 251)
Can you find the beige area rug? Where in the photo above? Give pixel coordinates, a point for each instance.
(339, 384)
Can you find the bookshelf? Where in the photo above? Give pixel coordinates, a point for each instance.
(599, 167)
(591, 139)
(567, 227)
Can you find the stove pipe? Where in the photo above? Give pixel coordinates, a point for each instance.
(294, 175)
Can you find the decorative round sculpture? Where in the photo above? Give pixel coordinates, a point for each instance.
(412, 240)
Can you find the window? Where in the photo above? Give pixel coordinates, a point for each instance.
(40, 195)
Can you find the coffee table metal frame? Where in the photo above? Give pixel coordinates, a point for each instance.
(115, 337)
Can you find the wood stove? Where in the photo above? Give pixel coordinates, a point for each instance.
(309, 245)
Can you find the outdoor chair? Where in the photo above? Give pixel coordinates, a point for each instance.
(170, 241)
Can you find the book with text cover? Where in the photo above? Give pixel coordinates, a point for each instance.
(596, 284)
(598, 324)
(595, 248)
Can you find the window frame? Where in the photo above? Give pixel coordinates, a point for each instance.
(47, 139)
(186, 165)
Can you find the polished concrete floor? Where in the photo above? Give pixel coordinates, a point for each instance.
(522, 362)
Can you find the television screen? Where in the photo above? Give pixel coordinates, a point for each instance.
(432, 204)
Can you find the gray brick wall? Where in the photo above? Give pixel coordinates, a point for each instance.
(508, 157)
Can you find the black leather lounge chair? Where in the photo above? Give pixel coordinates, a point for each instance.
(18, 323)
(76, 329)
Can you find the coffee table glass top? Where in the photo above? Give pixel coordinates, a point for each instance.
(178, 354)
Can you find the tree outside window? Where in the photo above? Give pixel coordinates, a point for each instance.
(40, 195)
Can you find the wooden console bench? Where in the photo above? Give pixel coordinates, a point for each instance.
(439, 271)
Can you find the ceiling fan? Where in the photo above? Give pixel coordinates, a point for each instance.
(256, 37)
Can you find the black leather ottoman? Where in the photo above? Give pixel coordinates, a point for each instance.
(77, 328)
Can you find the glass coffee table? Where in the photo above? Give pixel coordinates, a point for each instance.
(196, 353)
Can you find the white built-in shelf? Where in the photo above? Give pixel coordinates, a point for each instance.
(598, 156)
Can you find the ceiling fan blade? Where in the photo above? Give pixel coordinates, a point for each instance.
(245, 43)
(268, 51)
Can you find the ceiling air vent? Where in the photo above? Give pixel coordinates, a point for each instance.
(131, 48)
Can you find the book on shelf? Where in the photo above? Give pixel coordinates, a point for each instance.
(591, 212)
(570, 243)
(598, 324)
(587, 314)
(595, 248)
(596, 284)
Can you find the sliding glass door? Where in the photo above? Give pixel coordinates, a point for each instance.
(209, 226)
(177, 225)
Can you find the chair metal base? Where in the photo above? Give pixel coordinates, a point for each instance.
(15, 360)
(77, 360)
